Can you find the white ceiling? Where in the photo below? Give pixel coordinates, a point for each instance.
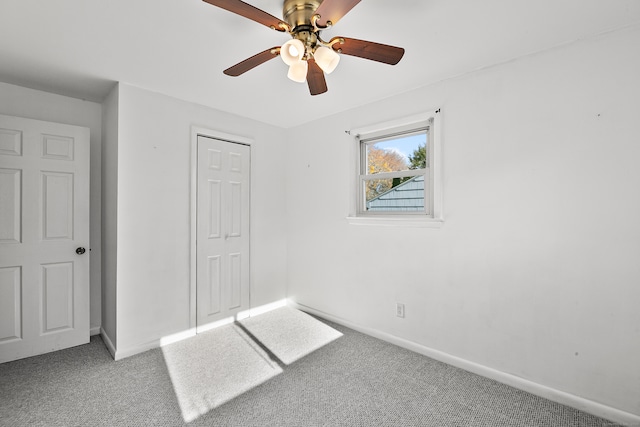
(180, 47)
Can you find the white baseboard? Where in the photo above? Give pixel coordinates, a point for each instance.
(170, 339)
(95, 330)
(108, 343)
(149, 345)
(562, 397)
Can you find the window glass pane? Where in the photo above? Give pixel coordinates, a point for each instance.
(396, 154)
(395, 195)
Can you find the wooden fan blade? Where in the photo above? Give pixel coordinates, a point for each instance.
(251, 12)
(315, 78)
(333, 11)
(368, 50)
(254, 61)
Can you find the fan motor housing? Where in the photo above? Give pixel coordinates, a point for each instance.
(299, 12)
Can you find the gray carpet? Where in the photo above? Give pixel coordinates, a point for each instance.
(289, 334)
(353, 381)
(214, 367)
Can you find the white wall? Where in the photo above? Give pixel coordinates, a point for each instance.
(153, 212)
(110, 216)
(535, 272)
(38, 105)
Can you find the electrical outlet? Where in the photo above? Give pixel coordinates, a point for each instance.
(399, 309)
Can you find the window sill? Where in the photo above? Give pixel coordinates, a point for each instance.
(400, 221)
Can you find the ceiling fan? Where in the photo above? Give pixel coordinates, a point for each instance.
(307, 55)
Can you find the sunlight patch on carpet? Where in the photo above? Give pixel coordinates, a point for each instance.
(289, 333)
(214, 367)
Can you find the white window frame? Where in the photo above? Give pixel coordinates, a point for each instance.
(432, 217)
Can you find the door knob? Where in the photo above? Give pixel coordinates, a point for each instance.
(80, 250)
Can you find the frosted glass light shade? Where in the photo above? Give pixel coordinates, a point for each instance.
(326, 59)
(298, 71)
(292, 51)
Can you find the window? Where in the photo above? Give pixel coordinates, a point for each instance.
(398, 170)
(392, 172)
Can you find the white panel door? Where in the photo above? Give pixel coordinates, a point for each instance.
(222, 231)
(44, 227)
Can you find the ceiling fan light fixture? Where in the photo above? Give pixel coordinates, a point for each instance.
(327, 59)
(298, 71)
(292, 51)
(308, 57)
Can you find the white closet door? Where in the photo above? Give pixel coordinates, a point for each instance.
(222, 247)
(44, 229)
